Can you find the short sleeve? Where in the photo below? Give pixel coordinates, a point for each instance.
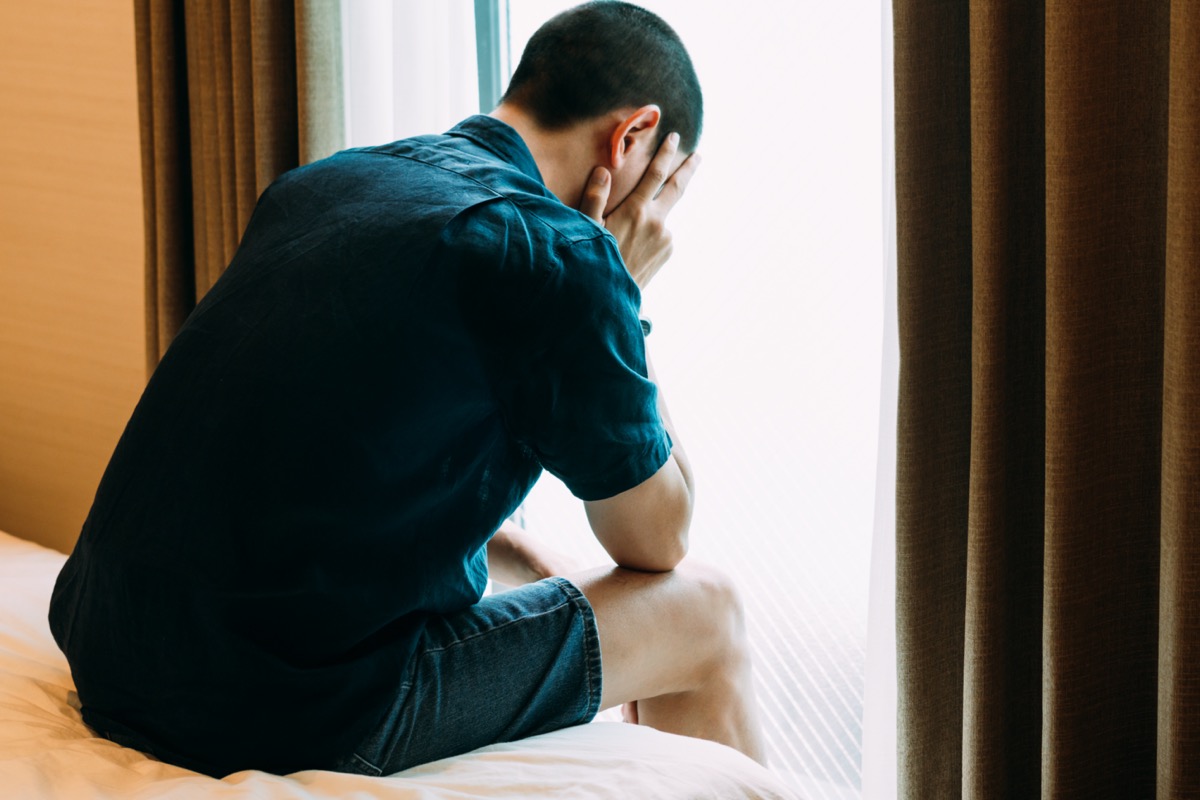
(585, 405)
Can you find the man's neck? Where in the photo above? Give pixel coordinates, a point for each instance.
(564, 157)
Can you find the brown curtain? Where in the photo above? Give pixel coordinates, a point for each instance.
(1048, 488)
(231, 94)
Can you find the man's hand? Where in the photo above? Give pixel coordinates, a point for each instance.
(639, 222)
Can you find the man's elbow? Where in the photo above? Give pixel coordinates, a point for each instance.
(663, 560)
(646, 528)
(663, 550)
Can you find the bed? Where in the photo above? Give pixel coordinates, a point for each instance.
(47, 752)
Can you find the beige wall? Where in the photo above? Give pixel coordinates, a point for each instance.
(71, 325)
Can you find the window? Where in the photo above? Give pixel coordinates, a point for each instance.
(767, 328)
(410, 67)
(768, 321)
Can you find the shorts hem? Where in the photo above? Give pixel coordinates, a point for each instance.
(591, 646)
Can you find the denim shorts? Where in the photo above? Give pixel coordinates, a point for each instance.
(516, 664)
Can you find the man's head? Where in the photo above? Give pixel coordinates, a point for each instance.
(606, 56)
(602, 85)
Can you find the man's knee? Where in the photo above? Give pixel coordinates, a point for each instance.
(664, 633)
(722, 597)
(719, 605)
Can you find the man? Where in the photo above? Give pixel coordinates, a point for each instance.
(284, 563)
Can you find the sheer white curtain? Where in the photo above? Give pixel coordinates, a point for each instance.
(410, 67)
(879, 707)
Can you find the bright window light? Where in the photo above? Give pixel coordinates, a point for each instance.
(767, 328)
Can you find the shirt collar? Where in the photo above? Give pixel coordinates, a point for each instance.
(500, 138)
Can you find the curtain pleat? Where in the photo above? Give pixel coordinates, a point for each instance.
(225, 168)
(1001, 739)
(1106, 81)
(241, 65)
(1179, 602)
(273, 71)
(166, 181)
(933, 215)
(1048, 486)
(221, 118)
(206, 163)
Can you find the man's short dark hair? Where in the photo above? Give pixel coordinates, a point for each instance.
(602, 56)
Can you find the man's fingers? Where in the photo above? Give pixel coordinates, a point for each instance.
(674, 188)
(659, 169)
(595, 194)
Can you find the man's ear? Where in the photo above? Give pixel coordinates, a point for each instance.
(638, 129)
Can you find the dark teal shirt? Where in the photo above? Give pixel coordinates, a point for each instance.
(407, 335)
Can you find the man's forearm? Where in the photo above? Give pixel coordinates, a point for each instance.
(677, 451)
(645, 528)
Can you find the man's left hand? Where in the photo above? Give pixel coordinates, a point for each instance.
(639, 222)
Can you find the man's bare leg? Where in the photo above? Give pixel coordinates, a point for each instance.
(675, 643)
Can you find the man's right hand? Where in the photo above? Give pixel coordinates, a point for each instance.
(639, 222)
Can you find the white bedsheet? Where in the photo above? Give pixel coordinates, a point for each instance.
(47, 752)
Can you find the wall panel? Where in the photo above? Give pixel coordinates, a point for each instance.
(71, 304)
